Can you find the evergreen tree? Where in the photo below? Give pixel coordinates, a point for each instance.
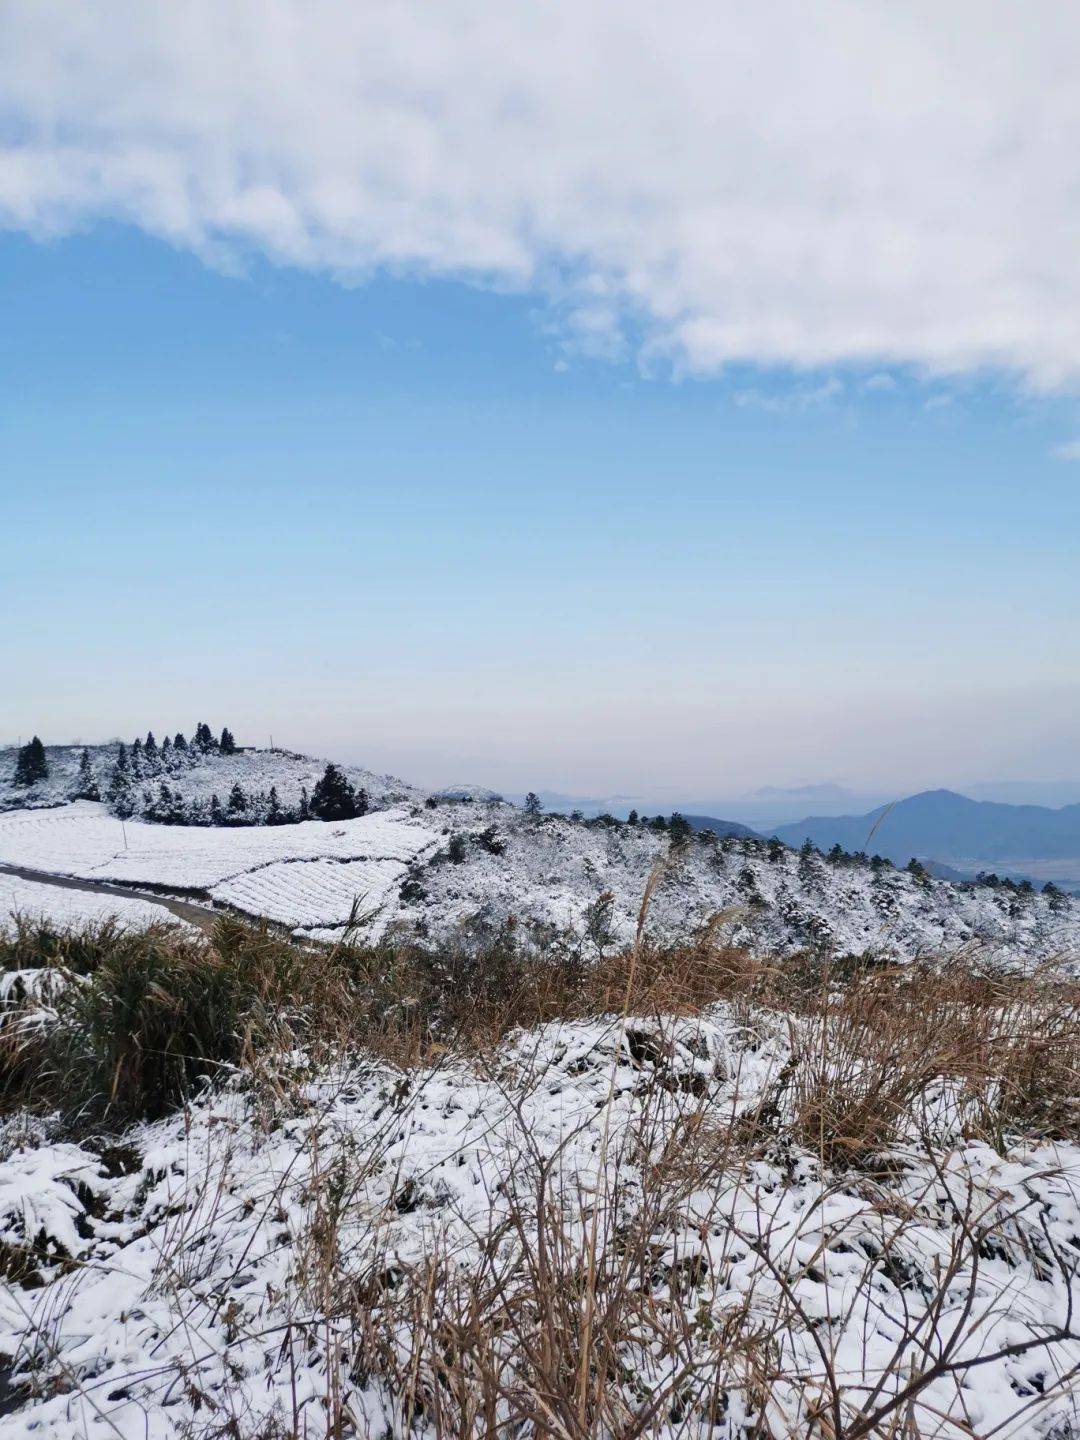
(166, 750)
(274, 813)
(179, 743)
(198, 812)
(150, 750)
(204, 738)
(238, 802)
(157, 807)
(217, 815)
(31, 764)
(334, 798)
(775, 851)
(120, 779)
(632, 818)
(679, 829)
(1056, 896)
(87, 788)
(533, 804)
(305, 804)
(227, 744)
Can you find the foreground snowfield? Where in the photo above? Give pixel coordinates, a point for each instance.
(433, 869)
(302, 1261)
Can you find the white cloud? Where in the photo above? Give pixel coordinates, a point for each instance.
(705, 182)
(881, 383)
(1069, 451)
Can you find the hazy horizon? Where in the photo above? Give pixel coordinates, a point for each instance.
(767, 803)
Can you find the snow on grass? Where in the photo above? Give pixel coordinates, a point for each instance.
(310, 1269)
(63, 908)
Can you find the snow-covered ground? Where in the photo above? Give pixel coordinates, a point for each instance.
(73, 907)
(433, 870)
(308, 1267)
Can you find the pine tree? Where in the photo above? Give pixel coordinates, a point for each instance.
(334, 797)
(217, 815)
(166, 750)
(274, 813)
(238, 802)
(305, 804)
(533, 804)
(179, 743)
(31, 764)
(150, 750)
(159, 806)
(632, 818)
(87, 787)
(120, 779)
(680, 830)
(227, 743)
(204, 738)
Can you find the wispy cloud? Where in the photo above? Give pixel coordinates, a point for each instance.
(798, 397)
(1069, 451)
(880, 383)
(671, 178)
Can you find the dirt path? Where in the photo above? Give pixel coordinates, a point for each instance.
(182, 909)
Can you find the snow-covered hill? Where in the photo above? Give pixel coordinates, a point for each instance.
(435, 868)
(194, 775)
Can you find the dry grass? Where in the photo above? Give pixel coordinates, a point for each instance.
(158, 1012)
(585, 1312)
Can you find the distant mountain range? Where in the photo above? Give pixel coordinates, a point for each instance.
(723, 828)
(963, 834)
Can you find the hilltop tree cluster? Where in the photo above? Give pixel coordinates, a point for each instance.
(334, 796)
(145, 760)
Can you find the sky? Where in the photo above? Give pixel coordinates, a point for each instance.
(594, 398)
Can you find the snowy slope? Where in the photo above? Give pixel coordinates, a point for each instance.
(431, 869)
(552, 870)
(195, 776)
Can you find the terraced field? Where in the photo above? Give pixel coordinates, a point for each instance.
(302, 876)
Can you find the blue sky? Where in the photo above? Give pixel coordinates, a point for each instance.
(596, 397)
(394, 520)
